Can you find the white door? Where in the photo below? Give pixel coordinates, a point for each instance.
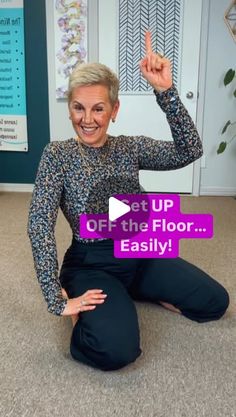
(138, 113)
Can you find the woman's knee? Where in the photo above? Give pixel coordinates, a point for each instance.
(223, 301)
(107, 344)
(113, 359)
(105, 356)
(210, 304)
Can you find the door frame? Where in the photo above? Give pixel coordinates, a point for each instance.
(200, 164)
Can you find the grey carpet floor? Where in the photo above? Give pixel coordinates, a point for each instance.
(186, 369)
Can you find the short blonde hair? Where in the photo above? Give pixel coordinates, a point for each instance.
(92, 74)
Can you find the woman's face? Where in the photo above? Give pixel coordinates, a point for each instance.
(90, 112)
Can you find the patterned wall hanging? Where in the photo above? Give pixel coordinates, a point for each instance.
(70, 35)
(162, 18)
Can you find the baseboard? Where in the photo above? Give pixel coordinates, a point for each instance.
(218, 191)
(17, 188)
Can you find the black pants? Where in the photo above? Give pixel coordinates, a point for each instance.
(108, 337)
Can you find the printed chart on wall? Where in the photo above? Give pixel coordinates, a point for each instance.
(70, 29)
(13, 121)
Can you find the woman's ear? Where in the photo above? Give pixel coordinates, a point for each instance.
(115, 111)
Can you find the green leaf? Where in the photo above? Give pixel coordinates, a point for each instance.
(234, 93)
(226, 127)
(222, 147)
(229, 76)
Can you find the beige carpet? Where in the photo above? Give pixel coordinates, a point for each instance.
(187, 369)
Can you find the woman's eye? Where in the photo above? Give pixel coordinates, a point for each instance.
(78, 108)
(99, 109)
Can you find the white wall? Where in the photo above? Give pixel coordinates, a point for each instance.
(219, 175)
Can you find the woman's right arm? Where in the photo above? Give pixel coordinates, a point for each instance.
(41, 225)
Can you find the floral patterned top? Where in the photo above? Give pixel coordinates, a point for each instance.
(80, 179)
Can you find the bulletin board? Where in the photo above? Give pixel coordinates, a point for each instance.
(13, 119)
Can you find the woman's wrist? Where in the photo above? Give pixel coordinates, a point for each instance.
(57, 307)
(162, 90)
(168, 100)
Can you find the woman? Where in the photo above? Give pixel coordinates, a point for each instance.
(79, 175)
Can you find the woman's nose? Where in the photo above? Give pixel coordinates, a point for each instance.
(87, 117)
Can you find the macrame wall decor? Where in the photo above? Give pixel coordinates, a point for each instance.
(163, 19)
(70, 36)
(230, 19)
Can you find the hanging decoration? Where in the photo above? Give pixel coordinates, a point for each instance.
(70, 23)
(162, 18)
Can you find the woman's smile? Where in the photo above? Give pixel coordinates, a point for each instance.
(89, 130)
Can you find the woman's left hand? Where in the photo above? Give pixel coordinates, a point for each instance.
(155, 68)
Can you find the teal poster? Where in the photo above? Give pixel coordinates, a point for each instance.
(13, 120)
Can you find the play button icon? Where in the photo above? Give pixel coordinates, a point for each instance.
(117, 208)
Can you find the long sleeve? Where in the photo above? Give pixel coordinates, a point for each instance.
(186, 146)
(41, 225)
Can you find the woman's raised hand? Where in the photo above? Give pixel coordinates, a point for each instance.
(86, 302)
(155, 68)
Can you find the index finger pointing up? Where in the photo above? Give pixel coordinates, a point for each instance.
(148, 42)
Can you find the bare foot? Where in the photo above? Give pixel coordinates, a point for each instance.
(170, 307)
(74, 317)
